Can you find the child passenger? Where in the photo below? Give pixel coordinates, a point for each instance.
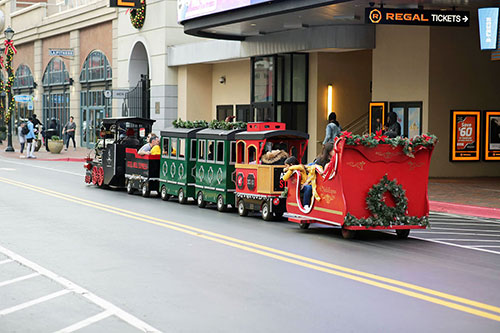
(292, 164)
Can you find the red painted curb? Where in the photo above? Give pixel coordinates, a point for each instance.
(448, 207)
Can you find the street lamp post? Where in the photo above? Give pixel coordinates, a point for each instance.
(9, 51)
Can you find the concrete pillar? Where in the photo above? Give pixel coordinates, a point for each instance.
(74, 73)
(37, 77)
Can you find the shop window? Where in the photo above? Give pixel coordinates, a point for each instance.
(252, 155)
(23, 78)
(220, 151)
(244, 113)
(96, 68)
(224, 111)
(193, 150)
(173, 147)
(201, 150)
(165, 146)
(240, 152)
(182, 149)
(232, 153)
(263, 79)
(211, 151)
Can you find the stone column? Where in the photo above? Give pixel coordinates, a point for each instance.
(74, 90)
(37, 77)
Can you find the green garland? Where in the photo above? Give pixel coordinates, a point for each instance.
(383, 215)
(138, 15)
(374, 139)
(214, 124)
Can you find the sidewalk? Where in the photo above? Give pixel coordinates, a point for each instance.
(70, 155)
(464, 196)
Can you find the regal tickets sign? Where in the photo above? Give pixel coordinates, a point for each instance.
(417, 17)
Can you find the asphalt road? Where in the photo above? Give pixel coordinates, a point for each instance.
(75, 257)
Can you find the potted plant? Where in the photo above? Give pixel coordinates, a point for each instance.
(55, 144)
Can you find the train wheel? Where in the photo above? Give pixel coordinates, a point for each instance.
(221, 207)
(304, 225)
(163, 194)
(145, 190)
(181, 197)
(94, 175)
(403, 233)
(100, 177)
(241, 208)
(130, 188)
(266, 212)
(199, 199)
(348, 234)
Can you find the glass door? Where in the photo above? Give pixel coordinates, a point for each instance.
(91, 124)
(409, 117)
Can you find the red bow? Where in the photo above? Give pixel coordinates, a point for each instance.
(379, 136)
(9, 44)
(347, 135)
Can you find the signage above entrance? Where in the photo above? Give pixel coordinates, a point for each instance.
(125, 3)
(417, 17)
(61, 52)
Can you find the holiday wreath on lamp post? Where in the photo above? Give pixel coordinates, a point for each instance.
(138, 15)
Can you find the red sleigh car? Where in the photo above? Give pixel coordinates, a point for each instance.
(371, 183)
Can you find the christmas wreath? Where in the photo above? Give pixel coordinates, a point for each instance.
(383, 215)
(138, 15)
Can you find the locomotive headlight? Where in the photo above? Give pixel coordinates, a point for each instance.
(276, 201)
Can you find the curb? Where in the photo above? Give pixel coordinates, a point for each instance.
(460, 209)
(67, 159)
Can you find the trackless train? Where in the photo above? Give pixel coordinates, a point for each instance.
(371, 182)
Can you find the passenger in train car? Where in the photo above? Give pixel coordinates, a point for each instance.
(146, 148)
(325, 156)
(155, 143)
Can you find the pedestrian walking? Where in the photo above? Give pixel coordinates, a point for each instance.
(69, 130)
(30, 139)
(22, 130)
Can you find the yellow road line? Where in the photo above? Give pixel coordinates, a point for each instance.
(292, 258)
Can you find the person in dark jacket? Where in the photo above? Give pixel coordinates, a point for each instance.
(393, 128)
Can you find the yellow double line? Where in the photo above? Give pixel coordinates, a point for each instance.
(433, 296)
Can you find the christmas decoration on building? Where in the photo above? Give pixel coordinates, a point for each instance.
(138, 15)
(10, 50)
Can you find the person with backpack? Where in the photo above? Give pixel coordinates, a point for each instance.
(30, 139)
(22, 130)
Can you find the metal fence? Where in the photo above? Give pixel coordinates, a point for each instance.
(138, 100)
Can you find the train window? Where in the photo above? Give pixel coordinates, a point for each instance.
(165, 147)
(232, 153)
(220, 151)
(252, 155)
(293, 151)
(182, 149)
(173, 148)
(211, 150)
(201, 150)
(240, 152)
(193, 150)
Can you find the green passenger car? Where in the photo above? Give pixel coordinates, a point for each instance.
(178, 163)
(215, 164)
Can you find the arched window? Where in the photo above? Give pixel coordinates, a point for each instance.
(95, 79)
(55, 73)
(55, 102)
(95, 68)
(24, 78)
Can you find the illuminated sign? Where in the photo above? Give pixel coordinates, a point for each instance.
(488, 27)
(376, 117)
(188, 9)
(465, 135)
(492, 136)
(417, 17)
(125, 3)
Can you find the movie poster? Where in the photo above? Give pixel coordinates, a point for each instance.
(492, 136)
(465, 135)
(376, 116)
